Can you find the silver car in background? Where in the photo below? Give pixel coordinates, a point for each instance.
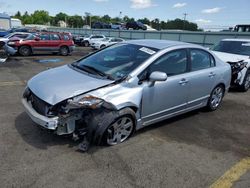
(107, 95)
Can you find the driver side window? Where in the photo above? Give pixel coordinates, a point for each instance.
(172, 63)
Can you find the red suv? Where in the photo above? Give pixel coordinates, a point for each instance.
(53, 42)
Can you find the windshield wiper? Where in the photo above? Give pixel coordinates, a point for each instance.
(103, 74)
(92, 70)
(81, 68)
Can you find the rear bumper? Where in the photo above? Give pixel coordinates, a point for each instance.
(45, 122)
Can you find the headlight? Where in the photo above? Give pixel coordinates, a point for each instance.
(11, 43)
(240, 65)
(86, 102)
(243, 64)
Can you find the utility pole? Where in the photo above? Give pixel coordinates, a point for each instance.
(120, 15)
(184, 20)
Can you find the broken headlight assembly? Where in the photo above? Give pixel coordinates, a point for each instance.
(86, 102)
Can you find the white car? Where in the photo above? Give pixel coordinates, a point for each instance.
(236, 52)
(20, 35)
(92, 38)
(106, 42)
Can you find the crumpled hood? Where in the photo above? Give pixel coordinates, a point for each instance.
(58, 84)
(227, 57)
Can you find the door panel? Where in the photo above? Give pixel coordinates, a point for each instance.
(170, 96)
(202, 77)
(43, 43)
(201, 85)
(55, 42)
(164, 97)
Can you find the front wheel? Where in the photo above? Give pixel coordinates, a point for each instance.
(25, 50)
(246, 83)
(86, 43)
(121, 129)
(215, 98)
(64, 51)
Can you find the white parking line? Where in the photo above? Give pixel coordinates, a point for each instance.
(13, 83)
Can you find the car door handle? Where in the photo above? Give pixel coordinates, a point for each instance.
(211, 74)
(183, 81)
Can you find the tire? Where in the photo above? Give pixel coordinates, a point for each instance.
(25, 50)
(3, 54)
(64, 51)
(215, 98)
(102, 46)
(246, 83)
(86, 43)
(121, 128)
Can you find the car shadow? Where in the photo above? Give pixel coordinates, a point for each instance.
(219, 130)
(38, 137)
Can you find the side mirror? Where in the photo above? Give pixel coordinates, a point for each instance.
(37, 39)
(157, 76)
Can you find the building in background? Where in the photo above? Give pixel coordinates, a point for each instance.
(62, 23)
(5, 21)
(15, 23)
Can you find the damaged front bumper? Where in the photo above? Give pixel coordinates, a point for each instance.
(59, 124)
(46, 122)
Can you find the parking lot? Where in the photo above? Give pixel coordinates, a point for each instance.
(198, 149)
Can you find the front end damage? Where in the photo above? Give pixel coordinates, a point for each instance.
(239, 70)
(85, 117)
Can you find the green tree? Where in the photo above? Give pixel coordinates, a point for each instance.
(26, 18)
(41, 17)
(106, 18)
(61, 17)
(115, 19)
(18, 15)
(128, 19)
(75, 21)
(144, 21)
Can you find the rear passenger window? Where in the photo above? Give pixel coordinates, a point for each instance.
(44, 37)
(54, 37)
(66, 37)
(201, 60)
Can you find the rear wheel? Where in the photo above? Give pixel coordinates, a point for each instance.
(25, 50)
(64, 50)
(121, 129)
(246, 83)
(215, 98)
(86, 43)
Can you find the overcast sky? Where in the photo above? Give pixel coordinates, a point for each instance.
(207, 13)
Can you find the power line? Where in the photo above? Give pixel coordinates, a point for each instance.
(184, 20)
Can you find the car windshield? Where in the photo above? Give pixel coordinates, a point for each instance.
(106, 39)
(117, 61)
(233, 47)
(8, 36)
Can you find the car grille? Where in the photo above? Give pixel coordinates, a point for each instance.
(39, 105)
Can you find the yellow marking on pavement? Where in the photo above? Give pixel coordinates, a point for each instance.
(13, 83)
(233, 174)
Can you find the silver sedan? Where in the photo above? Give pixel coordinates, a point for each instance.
(107, 95)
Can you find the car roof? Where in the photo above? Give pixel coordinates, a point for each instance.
(53, 32)
(22, 33)
(237, 40)
(159, 44)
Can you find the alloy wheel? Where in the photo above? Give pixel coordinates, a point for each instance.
(120, 130)
(216, 98)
